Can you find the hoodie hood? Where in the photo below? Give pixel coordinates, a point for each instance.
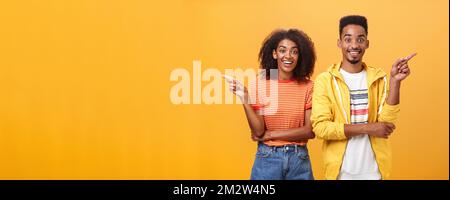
(373, 73)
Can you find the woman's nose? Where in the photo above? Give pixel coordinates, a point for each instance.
(288, 54)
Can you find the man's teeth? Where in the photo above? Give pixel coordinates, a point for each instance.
(354, 52)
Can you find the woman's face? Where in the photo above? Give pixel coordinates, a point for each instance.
(286, 55)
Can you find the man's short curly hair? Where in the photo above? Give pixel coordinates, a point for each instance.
(353, 19)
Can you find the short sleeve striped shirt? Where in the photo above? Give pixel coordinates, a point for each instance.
(285, 110)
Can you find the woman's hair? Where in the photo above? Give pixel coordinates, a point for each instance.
(306, 59)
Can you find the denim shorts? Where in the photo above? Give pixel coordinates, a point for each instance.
(289, 162)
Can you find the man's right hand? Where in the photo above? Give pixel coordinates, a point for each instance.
(380, 129)
(400, 69)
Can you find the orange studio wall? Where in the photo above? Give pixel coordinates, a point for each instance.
(85, 84)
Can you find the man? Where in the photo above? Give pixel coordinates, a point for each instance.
(355, 107)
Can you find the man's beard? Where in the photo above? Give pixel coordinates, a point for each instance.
(353, 61)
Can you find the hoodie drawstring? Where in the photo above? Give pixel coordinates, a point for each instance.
(384, 96)
(340, 98)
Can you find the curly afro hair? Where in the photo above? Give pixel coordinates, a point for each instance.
(307, 57)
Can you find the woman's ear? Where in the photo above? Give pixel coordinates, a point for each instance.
(274, 54)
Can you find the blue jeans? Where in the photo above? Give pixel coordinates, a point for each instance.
(289, 162)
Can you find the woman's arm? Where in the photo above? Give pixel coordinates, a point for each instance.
(255, 120)
(293, 134)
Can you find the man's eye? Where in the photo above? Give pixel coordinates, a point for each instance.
(361, 40)
(347, 40)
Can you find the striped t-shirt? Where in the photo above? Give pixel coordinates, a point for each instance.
(359, 106)
(359, 159)
(285, 109)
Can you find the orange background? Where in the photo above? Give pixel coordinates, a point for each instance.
(85, 84)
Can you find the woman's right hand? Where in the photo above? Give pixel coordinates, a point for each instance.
(237, 88)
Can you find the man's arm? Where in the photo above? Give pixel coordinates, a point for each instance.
(399, 71)
(322, 115)
(377, 129)
(383, 128)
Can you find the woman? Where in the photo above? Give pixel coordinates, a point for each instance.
(283, 128)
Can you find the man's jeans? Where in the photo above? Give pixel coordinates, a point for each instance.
(289, 162)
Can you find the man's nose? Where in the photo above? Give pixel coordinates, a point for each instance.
(354, 44)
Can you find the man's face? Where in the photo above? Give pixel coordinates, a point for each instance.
(286, 55)
(353, 42)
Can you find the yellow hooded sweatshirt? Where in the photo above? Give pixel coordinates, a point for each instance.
(331, 110)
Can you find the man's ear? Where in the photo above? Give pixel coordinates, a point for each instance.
(274, 54)
(367, 44)
(339, 43)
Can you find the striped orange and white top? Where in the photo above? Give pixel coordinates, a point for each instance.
(285, 107)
